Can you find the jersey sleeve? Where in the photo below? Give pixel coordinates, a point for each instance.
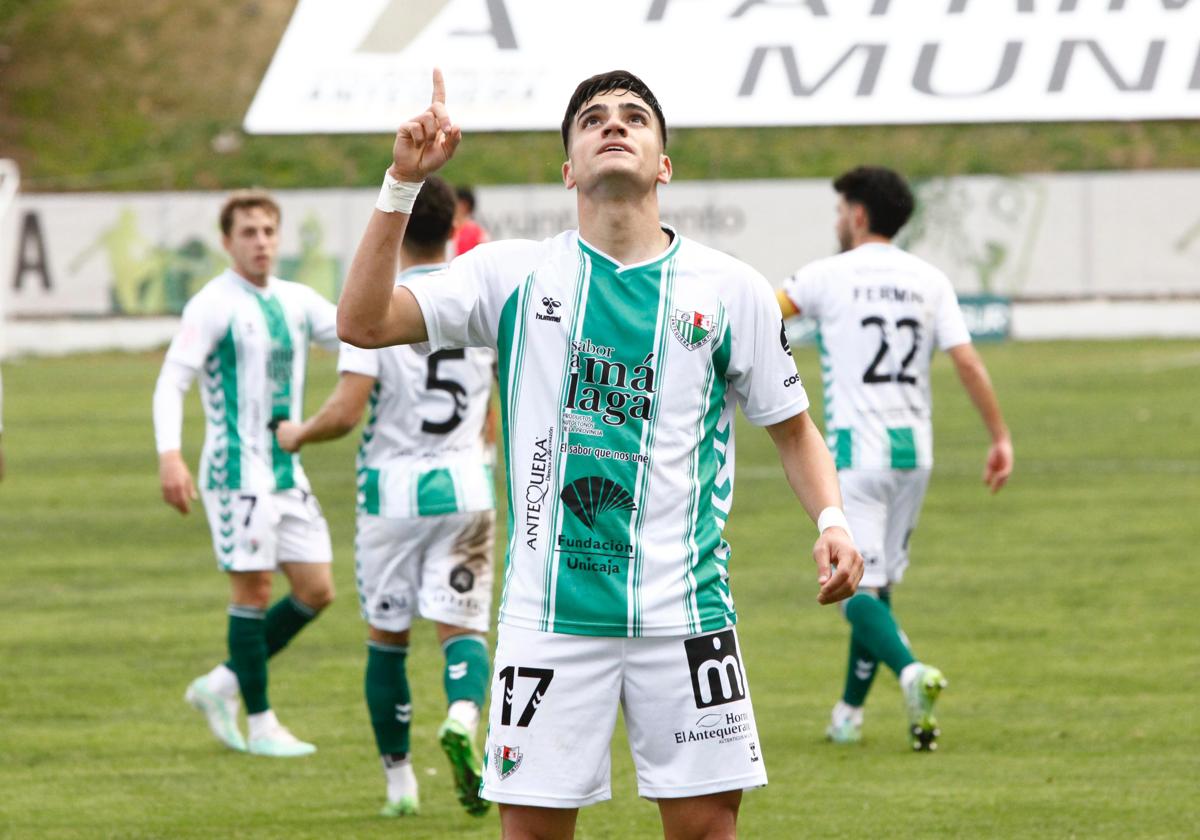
(200, 328)
(461, 304)
(761, 369)
(353, 359)
(950, 328)
(322, 319)
(804, 290)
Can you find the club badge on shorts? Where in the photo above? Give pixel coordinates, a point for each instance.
(508, 760)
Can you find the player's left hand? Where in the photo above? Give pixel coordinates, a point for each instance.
(288, 435)
(839, 566)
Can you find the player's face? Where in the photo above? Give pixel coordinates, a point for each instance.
(253, 242)
(844, 224)
(615, 143)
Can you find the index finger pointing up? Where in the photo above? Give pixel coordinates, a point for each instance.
(439, 87)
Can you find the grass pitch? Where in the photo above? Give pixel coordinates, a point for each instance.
(1063, 612)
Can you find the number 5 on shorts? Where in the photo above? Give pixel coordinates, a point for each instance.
(508, 677)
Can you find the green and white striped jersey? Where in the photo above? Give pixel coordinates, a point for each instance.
(250, 346)
(880, 312)
(422, 450)
(619, 386)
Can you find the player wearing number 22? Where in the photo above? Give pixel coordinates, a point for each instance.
(246, 335)
(623, 352)
(425, 527)
(880, 312)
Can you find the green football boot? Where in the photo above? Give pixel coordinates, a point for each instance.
(464, 761)
(920, 695)
(405, 806)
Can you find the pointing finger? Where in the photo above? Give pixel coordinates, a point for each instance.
(441, 115)
(439, 86)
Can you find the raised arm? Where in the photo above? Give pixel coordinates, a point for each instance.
(373, 311)
(811, 473)
(974, 377)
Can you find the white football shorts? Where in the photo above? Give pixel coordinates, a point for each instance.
(437, 566)
(255, 532)
(883, 507)
(554, 705)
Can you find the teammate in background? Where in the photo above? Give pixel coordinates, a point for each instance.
(246, 334)
(425, 518)
(881, 311)
(467, 232)
(623, 351)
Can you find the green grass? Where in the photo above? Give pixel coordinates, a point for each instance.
(1062, 610)
(96, 95)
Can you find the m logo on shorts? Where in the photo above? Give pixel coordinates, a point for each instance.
(716, 667)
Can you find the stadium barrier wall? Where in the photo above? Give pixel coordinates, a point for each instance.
(1078, 256)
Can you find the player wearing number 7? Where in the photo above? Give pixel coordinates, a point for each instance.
(880, 312)
(425, 525)
(246, 335)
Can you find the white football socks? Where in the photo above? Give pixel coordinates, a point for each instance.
(223, 681)
(909, 673)
(262, 724)
(466, 713)
(401, 780)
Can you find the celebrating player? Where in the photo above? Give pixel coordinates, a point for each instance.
(425, 517)
(881, 311)
(623, 350)
(246, 334)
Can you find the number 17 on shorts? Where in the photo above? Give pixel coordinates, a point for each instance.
(554, 706)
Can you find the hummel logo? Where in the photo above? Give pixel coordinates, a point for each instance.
(551, 304)
(457, 671)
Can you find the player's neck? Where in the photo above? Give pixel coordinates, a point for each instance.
(410, 260)
(628, 230)
(259, 280)
(872, 239)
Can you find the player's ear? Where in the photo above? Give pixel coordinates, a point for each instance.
(567, 175)
(664, 170)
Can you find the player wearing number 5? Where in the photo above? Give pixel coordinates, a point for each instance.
(246, 335)
(425, 517)
(880, 312)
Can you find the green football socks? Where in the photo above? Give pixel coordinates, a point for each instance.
(248, 655)
(466, 674)
(389, 702)
(284, 620)
(860, 672)
(875, 631)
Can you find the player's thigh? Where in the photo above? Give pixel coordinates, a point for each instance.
(387, 568)
(865, 495)
(689, 716)
(244, 527)
(908, 495)
(554, 702)
(456, 575)
(303, 532)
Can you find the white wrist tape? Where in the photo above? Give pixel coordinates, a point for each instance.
(832, 517)
(397, 196)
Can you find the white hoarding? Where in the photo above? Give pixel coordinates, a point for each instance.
(1033, 238)
(512, 64)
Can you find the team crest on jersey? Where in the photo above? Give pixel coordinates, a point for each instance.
(508, 760)
(693, 329)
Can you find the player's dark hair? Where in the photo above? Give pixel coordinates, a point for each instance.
(607, 83)
(882, 193)
(432, 218)
(247, 200)
(467, 196)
